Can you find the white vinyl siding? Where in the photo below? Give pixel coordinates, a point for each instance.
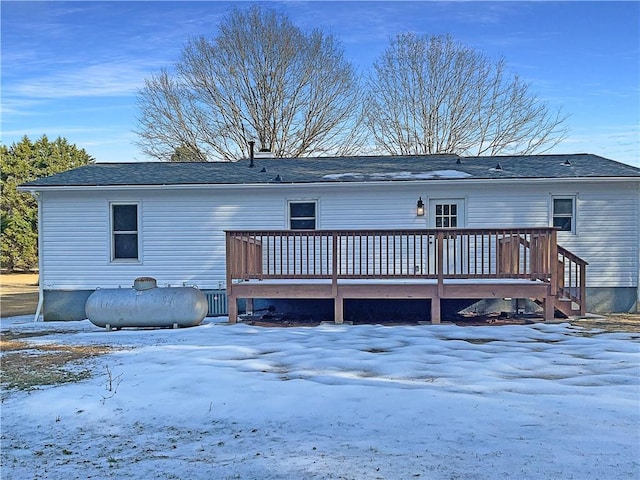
(607, 236)
(182, 236)
(512, 207)
(182, 230)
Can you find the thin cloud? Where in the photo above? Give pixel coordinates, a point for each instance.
(617, 142)
(59, 131)
(100, 80)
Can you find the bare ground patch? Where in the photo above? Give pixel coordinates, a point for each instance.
(614, 322)
(18, 294)
(26, 366)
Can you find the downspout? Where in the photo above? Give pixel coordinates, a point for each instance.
(36, 195)
(638, 253)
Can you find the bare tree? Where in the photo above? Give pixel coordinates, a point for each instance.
(261, 78)
(430, 94)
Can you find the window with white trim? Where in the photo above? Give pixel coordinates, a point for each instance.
(564, 214)
(124, 232)
(302, 215)
(446, 215)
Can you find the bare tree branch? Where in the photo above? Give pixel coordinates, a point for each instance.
(261, 78)
(433, 95)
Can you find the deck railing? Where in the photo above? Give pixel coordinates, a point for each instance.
(524, 253)
(572, 278)
(438, 254)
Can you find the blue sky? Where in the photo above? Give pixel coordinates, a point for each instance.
(73, 69)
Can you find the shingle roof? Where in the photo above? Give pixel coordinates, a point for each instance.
(340, 169)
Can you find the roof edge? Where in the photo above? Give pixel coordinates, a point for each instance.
(25, 188)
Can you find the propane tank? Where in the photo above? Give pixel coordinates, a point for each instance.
(146, 305)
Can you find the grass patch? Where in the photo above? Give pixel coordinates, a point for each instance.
(25, 366)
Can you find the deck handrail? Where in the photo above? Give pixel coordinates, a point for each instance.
(571, 275)
(392, 253)
(572, 278)
(325, 232)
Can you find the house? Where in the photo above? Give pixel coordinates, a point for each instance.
(430, 227)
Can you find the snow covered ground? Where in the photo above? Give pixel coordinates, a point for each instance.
(224, 401)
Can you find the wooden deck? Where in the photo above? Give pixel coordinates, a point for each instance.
(404, 264)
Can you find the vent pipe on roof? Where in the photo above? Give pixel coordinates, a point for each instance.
(251, 144)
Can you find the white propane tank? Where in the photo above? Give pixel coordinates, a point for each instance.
(146, 305)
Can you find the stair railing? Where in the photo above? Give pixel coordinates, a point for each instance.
(572, 278)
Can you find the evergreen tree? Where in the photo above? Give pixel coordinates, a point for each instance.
(20, 163)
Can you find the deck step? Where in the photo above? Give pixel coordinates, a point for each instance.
(567, 306)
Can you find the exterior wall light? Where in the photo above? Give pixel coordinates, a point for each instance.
(420, 208)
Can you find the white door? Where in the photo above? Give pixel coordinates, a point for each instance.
(450, 213)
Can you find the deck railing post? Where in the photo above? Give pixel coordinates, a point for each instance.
(552, 263)
(583, 289)
(338, 302)
(229, 265)
(334, 263)
(435, 301)
(440, 261)
(232, 304)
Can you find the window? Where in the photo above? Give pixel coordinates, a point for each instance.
(124, 227)
(564, 214)
(302, 215)
(446, 215)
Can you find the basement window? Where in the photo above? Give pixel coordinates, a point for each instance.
(124, 232)
(564, 214)
(302, 215)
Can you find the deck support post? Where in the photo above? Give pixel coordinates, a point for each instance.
(249, 306)
(232, 306)
(435, 310)
(549, 308)
(338, 309)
